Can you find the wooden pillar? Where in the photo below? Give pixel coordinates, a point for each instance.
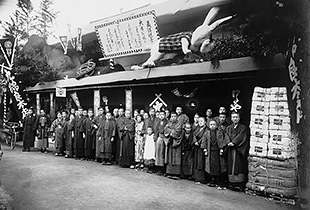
(303, 127)
(38, 104)
(52, 106)
(96, 101)
(128, 99)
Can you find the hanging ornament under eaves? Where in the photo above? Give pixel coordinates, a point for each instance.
(235, 106)
(191, 94)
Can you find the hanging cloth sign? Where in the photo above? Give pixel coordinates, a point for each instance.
(158, 103)
(127, 34)
(60, 92)
(7, 47)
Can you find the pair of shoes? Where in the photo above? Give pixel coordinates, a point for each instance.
(141, 166)
(66, 156)
(56, 154)
(108, 163)
(211, 184)
(175, 178)
(132, 167)
(160, 173)
(28, 150)
(24, 150)
(45, 152)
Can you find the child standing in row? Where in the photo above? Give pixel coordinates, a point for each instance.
(149, 150)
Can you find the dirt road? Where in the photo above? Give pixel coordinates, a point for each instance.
(43, 181)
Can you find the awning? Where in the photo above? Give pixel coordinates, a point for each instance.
(236, 65)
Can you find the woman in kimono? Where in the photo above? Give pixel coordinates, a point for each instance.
(195, 123)
(57, 129)
(69, 136)
(139, 141)
(199, 160)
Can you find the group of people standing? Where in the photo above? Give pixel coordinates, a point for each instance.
(209, 150)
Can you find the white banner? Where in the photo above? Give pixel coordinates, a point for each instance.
(127, 34)
(60, 92)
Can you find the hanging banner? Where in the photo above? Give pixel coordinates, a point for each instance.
(127, 34)
(64, 43)
(7, 47)
(128, 99)
(75, 98)
(294, 59)
(61, 92)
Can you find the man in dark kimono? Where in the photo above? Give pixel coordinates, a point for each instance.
(151, 121)
(105, 135)
(89, 128)
(213, 141)
(29, 125)
(77, 124)
(42, 126)
(237, 152)
(209, 117)
(98, 120)
(187, 152)
(222, 122)
(160, 145)
(199, 158)
(117, 142)
(222, 110)
(181, 118)
(126, 129)
(172, 133)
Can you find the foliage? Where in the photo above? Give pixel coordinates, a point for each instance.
(44, 18)
(20, 23)
(31, 69)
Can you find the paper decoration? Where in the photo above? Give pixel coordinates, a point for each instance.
(127, 34)
(61, 92)
(293, 75)
(64, 43)
(7, 47)
(79, 40)
(235, 106)
(158, 103)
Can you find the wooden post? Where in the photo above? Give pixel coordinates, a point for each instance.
(38, 104)
(128, 99)
(303, 127)
(96, 101)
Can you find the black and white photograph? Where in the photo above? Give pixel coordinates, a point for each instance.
(154, 105)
